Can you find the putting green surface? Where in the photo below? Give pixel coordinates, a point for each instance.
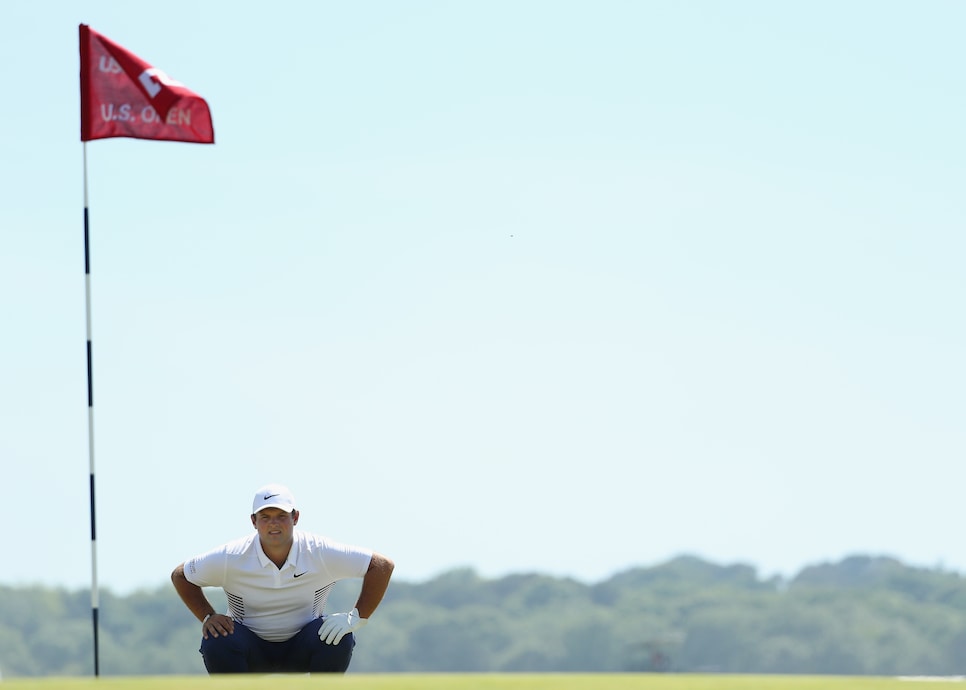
(470, 681)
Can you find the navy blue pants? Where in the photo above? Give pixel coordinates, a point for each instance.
(245, 652)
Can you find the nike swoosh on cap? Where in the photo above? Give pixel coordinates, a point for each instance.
(268, 496)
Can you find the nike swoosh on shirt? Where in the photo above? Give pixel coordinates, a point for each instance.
(300, 574)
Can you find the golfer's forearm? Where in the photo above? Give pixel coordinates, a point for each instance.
(374, 584)
(191, 594)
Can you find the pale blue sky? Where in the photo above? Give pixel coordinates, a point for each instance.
(558, 287)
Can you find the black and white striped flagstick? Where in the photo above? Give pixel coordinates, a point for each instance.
(90, 420)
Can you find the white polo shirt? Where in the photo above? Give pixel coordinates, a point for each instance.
(275, 603)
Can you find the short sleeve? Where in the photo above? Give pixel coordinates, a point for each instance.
(208, 569)
(342, 560)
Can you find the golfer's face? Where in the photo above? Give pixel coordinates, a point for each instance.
(274, 526)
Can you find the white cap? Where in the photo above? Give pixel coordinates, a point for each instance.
(273, 496)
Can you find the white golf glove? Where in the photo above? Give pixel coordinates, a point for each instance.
(336, 625)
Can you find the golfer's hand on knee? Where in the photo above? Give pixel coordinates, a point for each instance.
(336, 625)
(216, 625)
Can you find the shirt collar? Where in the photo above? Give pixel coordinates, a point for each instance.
(291, 560)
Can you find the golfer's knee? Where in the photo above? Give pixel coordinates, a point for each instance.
(334, 658)
(225, 653)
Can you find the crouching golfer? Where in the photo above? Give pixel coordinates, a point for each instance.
(276, 581)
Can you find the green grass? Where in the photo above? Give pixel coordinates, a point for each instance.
(470, 681)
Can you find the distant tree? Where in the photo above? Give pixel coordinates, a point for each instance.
(862, 615)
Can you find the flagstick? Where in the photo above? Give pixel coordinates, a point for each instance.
(90, 418)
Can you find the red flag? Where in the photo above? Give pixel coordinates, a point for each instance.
(124, 96)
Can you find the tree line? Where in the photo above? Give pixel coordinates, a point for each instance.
(860, 616)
